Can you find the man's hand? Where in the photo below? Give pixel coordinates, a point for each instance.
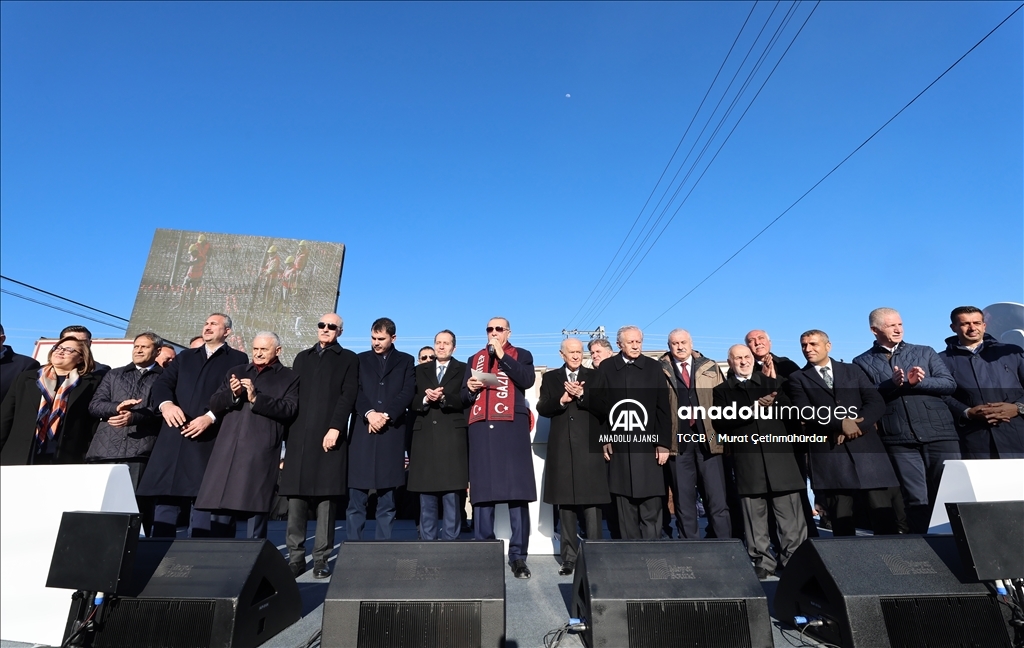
(120, 420)
(250, 388)
(768, 366)
(236, 386)
(434, 395)
(173, 415)
(765, 401)
(898, 377)
(498, 351)
(915, 376)
(376, 421)
(574, 389)
(850, 430)
(607, 448)
(993, 413)
(661, 454)
(196, 427)
(331, 439)
(126, 405)
(475, 385)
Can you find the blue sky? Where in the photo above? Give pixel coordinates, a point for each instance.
(490, 158)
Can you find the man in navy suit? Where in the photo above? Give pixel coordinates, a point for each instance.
(376, 456)
(838, 401)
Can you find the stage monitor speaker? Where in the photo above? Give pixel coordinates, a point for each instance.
(889, 592)
(199, 594)
(94, 552)
(408, 594)
(990, 536)
(651, 594)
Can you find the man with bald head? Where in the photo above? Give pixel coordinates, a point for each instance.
(766, 362)
(575, 473)
(767, 474)
(316, 455)
(692, 377)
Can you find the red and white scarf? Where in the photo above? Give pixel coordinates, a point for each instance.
(494, 404)
(53, 404)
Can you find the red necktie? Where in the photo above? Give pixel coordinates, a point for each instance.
(685, 373)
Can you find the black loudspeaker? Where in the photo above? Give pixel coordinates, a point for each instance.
(409, 594)
(94, 552)
(990, 536)
(199, 594)
(889, 591)
(649, 594)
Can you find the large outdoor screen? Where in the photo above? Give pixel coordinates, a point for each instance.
(263, 283)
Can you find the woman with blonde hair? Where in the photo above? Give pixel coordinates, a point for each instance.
(44, 419)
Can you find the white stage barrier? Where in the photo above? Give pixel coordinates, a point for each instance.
(976, 480)
(32, 501)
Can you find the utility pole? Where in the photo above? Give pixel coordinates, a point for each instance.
(597, 334)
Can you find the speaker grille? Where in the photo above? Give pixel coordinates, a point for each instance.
(130, 623)
(687, 624)
(407, 624)
(934, 622)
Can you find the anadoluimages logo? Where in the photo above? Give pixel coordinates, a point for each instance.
(628, 419)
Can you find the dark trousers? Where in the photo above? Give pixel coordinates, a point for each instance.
(639, 517)
(568, 518)
(839, 507)
(355, 515)
(693, 460)
(202, 524)
(919, 469)
(451, 521)
(519, 520)
(789, 523)
(298, 515)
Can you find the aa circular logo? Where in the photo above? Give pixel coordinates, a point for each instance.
(628, 415)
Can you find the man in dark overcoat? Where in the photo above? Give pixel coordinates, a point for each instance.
(500, 450)
(640, 433)
(255, 404)
(316, 447)
(837, 400)
(575, 472)
(766, 470)
(377, 444)
(178, 461)
(439, 457)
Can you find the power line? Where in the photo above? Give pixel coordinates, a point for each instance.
(670, 160)
(116, 327)
(46, 292)
(607, 300)
(836, 167)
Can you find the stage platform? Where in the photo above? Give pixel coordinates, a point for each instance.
(533, 607)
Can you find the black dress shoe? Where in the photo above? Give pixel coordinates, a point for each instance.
(297, 568)
(321, 570)
(520, 570)
(566, 568)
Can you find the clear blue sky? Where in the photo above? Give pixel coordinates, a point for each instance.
(490, 158)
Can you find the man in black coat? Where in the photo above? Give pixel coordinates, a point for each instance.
(575, 473)
(766, 471)
(178, 461)
(255, 403)
(632, 393)
(439, 456)
(838, 402)
(377, 443)
(316, 452)
(11, 364)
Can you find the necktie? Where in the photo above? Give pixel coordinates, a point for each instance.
(685, 373)
(572, 376)
(826, 375)
(440, 373)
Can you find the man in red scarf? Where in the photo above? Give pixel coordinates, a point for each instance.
(500, 454)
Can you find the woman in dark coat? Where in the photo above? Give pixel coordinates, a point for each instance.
(256, 403)
(45, 419)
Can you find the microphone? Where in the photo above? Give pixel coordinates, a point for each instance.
(490, 350)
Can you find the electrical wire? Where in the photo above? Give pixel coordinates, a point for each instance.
(117, 327)
(835, 168)
(46, 292)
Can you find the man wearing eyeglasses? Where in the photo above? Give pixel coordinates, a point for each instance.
(500, 454)
(439, 469)
(377, 445)
(426, 354)
(316, 452)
